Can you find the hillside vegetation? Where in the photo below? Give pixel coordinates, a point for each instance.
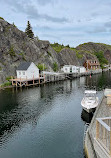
(95, 49)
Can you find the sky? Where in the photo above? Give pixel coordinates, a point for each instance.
(70, 22)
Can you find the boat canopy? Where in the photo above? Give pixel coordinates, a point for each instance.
(90, 92)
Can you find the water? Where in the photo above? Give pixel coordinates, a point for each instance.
(45, 122)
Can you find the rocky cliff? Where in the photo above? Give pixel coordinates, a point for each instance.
(16, 47)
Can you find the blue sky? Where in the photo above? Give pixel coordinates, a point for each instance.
(70, 22)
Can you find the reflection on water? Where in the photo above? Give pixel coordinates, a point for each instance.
(45, 121)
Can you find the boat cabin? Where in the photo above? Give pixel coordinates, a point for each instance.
(90, 93)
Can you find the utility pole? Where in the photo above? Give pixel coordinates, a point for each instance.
(87, 65)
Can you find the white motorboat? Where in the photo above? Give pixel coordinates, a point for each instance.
(90, 101)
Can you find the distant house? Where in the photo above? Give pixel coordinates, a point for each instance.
(73, 69)
(92, 65)
(27, 70)
(69, 69)
(82, 69)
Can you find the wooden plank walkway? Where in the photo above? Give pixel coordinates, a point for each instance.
(102, 111)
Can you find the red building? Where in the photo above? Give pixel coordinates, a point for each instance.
(92, 64)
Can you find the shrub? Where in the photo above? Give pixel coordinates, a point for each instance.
(49, 53)
(101, 58)
(11, 51)
(79, 55)
(55, 66)
(8, 78)
(1, 18)
(58, 47)
(6, 84)
(41, 67)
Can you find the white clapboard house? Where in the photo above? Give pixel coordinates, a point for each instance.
(82, 69)
(27, 70)
(73, 69)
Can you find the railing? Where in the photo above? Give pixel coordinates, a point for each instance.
(103, 133)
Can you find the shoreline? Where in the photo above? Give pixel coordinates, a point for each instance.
(66, 77)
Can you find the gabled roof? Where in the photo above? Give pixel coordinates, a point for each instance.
(24, 66)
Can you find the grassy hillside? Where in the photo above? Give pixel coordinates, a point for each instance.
(93, 49)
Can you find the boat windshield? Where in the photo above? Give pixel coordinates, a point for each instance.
(90, 96)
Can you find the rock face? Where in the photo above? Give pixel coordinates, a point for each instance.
(16, 47)
(96, 47)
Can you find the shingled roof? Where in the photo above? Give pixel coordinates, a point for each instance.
(24, 66)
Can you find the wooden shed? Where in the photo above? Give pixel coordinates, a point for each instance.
(27, 70)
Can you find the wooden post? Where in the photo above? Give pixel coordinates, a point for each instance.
(39, 79)
(44, 78)
(20, 81)
(26, 81)
(110, 144)
(33, 79)
(97, 129)
(16, 83)
(12, 80)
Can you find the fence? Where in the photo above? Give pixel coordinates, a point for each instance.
(103, 133)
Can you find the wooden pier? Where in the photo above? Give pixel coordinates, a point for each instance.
(20, 82)
(42, 79)
(98, 137)
(47, 77)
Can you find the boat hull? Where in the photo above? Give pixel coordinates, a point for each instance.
(89, 110)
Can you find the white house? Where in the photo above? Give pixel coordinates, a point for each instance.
(70, 69)
(73, 69)
(82, 69)
(27, 70)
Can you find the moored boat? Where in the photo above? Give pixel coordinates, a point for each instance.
(89, 101)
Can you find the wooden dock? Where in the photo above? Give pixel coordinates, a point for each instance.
(19, 82)
(42, 79)
(48, 77)
(98, 137)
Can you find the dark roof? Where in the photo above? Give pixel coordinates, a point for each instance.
(24, 66)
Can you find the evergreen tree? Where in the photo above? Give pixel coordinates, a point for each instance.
(14, 24)
(29, 31)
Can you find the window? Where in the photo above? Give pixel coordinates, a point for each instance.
(19, 73)
(66, 69)
(23, 73)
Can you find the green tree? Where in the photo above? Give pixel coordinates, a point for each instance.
(14, 24)
(29, 31)
(55, 66)
(41, 67)
(101, 58)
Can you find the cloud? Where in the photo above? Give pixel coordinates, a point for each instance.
(100, 29)
(94, 14)
(108, 24)
(32, 12)
(45, 2)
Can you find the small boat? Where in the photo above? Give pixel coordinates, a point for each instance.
(90, 101)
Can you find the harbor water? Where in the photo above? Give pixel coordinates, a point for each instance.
(46, 121)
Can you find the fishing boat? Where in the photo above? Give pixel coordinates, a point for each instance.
(90, 101)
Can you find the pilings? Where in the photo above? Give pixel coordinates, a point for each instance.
(42, 79)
